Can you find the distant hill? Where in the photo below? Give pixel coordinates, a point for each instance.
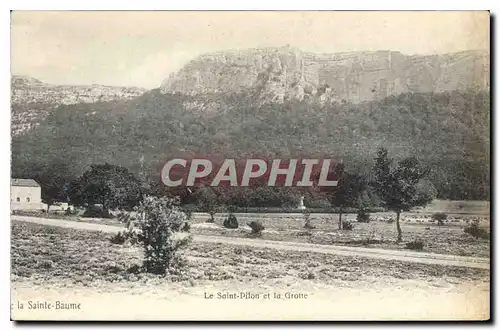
(450, 132)
(32, 100)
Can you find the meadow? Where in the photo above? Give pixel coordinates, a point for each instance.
(51, 255)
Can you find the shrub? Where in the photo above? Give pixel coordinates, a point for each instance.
(440, 218)
(416, 245)
(70, 212)
(307, 218)
(127, 218)
(307, 275)
(119, 238)
(186, 227)
(46, 264)
(308, 225)
(126, 236)
(346, 225)
(162, 219)
(474, 230)
(256, 227)
(94, 212)
(231, 222)
(363, 216)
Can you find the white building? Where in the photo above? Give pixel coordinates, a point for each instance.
(25, 194)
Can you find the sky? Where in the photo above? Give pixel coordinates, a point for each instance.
(142, 48)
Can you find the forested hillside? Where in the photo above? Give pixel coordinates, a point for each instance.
(447, 131)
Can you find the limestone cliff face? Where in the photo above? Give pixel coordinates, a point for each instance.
(28, 90)
(277, 74)
(32, 100)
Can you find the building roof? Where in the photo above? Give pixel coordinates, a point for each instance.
(23, 182)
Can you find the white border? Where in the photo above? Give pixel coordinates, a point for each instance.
(184, 5)
(253, 5)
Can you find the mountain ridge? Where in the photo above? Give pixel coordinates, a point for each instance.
(32, 100)
(287, 73)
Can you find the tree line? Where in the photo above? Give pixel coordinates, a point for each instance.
(396, 186)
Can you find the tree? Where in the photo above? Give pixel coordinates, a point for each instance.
(347, 192)
(110, 185)
(52, 189)
(54, 181)
(440, 218)
(208, 201)
(160, 222)
(398, 187)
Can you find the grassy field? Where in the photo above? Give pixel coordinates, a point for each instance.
(456, 207)
(49, 254)
(446, 239)
(52, 263)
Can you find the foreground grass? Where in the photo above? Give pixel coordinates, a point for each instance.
(437, 239)
(446, 239)
(47, 254)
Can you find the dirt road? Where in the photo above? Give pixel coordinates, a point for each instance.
(406, 256)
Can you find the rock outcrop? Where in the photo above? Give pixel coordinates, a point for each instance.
(277, 74)
(28, 90)
(32, 100)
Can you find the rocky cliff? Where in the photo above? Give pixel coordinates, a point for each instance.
(272, 75)
(32, 100)
(278, 74)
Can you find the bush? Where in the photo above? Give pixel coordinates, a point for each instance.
(256, 227)
(95, 212)
(70, 212)
(307, 218)
(363, 216)
(346, 225)
(127, 218)
(231, 222)
(440, 218)
(119, 238)
(162, 219)
(186, 227)
(308, 225)
(416, 245)
(126, 236)
(46, 264)
(474, 230)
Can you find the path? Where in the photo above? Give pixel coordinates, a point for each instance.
(385, 254)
